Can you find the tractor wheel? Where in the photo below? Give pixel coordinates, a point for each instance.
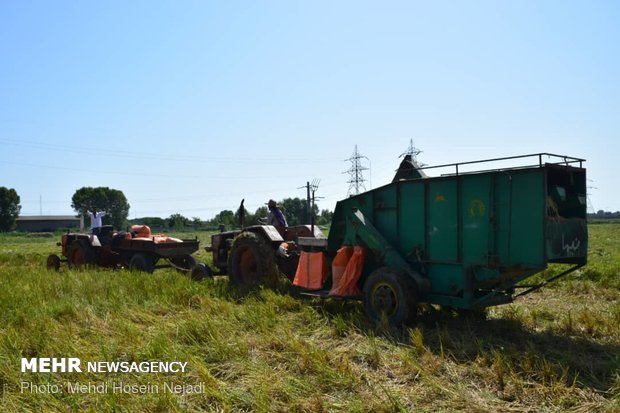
(80, 254)
(201, 271)
(251, 260)
(183, 263)
(141, 262)
(390, 296)
(53, 262)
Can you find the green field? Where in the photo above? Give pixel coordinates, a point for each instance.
(555, 350)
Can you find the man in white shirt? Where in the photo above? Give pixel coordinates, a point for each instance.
(95, 220)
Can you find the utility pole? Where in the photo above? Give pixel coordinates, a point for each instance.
(308, 200)
(314, 186)
(356, 177)
(311, 188)
(308, 210)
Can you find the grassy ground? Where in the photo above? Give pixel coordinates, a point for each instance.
(555, 350)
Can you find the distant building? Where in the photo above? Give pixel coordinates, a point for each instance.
(46, 223)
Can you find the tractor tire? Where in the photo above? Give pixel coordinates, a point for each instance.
(141, 262)
(251, 260)
(80, 254)
(53, 262)
(201, 271)
(184, 263)
(390, 296)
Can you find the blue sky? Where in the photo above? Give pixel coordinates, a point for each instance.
(190, 106)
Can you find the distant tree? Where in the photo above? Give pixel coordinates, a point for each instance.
(9, 208)
(250, 219)
(601, 214)
(177, 221)
(261, 212)
(196, 222)
(324, 218)
(150, 221)
(225, 217)
(294, 210)
(102, 198)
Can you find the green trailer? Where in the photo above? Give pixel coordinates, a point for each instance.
(465, 239)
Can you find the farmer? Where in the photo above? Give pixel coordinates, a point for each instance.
(95, 220)
(275, 217)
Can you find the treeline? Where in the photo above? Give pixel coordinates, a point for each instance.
(114, 201)
(600, 214)
(294, 210)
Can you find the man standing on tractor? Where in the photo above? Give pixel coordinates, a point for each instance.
(95, 220)
(275, 217)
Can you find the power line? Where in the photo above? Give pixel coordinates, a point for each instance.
(135, 173)
(103, 172)
(99, 152)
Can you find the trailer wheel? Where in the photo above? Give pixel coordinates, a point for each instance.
(251, 260)
(141, 262)
(201, 271)
(80, 254)
(183, 263)
(390, 296)
(53, 262)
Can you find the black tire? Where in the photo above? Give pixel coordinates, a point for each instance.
(141, 262)
(201, 271)
(80, 253)
(53, 262)
(251, 260)
(389, 295)
(184, 263)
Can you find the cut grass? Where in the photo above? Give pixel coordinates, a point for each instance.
(555, 350)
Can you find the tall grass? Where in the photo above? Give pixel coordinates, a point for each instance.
(269, 350)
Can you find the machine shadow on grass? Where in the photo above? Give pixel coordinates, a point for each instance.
(544, 355)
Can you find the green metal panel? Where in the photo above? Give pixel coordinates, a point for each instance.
(567, 240)
(359, 228)
(446, 279)
(411, 216)
(385, 213)
(362, 202)
(338, 227)
(501, 217)
(475, 217)
(442, 228)
(518, 215)
(365, 203)
(526, 221)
